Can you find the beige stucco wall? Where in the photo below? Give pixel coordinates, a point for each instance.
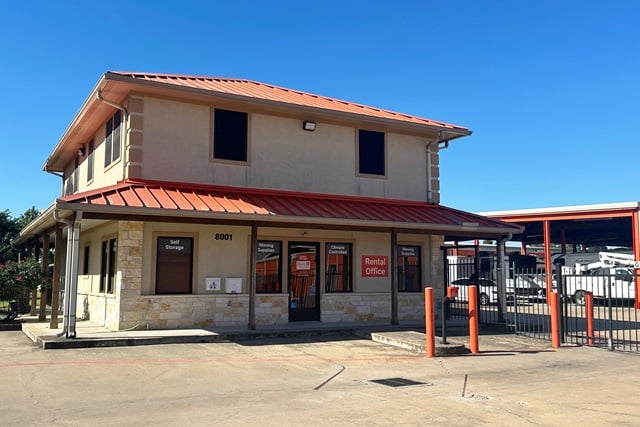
(177, 147)
(93, 305)
(101, 176)
(169, 140)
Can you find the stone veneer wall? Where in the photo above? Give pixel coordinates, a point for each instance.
(411, 306)
(188, 311)
(361, 307)
(203, 311)
(272, 309)
(96, 308)
(129, 277)
(370, 307)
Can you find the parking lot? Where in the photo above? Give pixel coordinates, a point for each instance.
(313, 381)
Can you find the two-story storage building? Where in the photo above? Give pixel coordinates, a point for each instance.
(207, 202)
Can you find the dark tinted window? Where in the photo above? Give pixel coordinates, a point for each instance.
(230, 135)
(269, 267)
(90, 161)
(174, 265)
(409, 269)
(112, 139)
(371, 152)
(108, 265)
(338, 262)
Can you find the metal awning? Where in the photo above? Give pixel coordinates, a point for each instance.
(147, 200)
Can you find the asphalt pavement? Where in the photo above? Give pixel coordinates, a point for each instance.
(317, 380)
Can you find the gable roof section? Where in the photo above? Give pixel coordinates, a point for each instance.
(164, 199)
(256, 90)
(114, 87)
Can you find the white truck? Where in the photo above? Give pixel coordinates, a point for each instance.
(612, 276)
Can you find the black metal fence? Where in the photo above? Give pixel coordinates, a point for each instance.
(463, 272)
(614, 316)
(527, 311)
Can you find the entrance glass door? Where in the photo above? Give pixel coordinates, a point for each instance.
(304, 277)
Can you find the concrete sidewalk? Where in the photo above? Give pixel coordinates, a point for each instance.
(407, 335)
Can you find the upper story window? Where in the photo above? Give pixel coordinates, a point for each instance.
(112, 139)
(230, 135)
(90, 148)
(371, 153)
(76, 175)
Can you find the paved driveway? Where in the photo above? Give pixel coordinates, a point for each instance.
(307, 382)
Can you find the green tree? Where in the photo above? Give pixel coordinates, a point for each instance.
(28, 216)
(8, 229)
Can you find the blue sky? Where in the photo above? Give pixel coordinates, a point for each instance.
(550, 88)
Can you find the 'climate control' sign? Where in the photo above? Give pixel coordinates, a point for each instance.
(375, 266)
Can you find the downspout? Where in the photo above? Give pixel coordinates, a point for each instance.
(111, 103)
(71, 274)
(59, 175)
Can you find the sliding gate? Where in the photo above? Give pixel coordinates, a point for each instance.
(465, 266)
(607, 317)
(596, 310)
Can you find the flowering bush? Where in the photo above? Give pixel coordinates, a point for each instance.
(18, 279)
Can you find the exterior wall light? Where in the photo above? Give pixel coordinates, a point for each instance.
(310, 126)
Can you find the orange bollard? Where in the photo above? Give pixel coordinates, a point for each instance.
(473, 319)
(430, 322)
(588, 299)
(555, 320)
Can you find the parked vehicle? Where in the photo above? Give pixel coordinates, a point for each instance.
(617, 283)
(487, 290)
(611, 277)
(527, 287)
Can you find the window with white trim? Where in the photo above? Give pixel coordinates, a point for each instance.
(112, 139)
(90, 147)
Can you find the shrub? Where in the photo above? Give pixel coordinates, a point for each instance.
(18, 279)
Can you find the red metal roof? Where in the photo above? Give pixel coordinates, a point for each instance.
(257, 204)
(257, 90)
